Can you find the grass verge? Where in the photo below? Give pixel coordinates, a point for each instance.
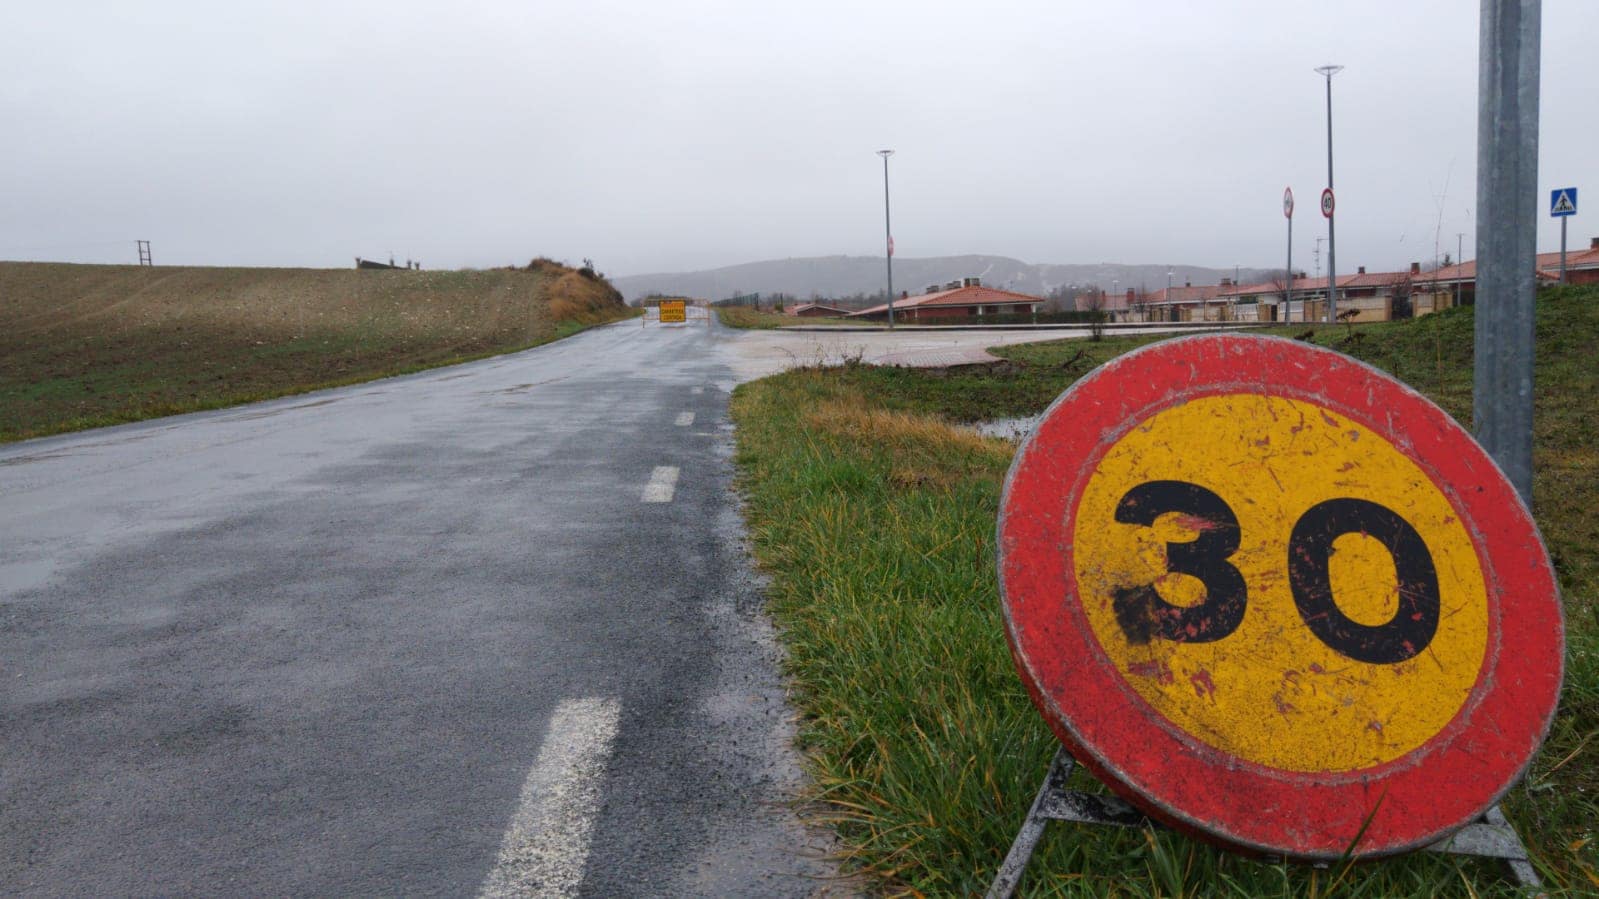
(874, 515)
(83, 346)
(745, 317)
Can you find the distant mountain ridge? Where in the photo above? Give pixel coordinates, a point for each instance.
(843, 276)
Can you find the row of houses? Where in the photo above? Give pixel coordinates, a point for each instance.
(1362, 296)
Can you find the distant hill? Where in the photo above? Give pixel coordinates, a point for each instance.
(844, 276)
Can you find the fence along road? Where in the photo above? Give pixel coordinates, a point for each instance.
(482, 629)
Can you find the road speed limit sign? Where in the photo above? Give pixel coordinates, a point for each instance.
(1267, 592)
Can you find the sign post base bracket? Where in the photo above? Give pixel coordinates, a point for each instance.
(1489, 837)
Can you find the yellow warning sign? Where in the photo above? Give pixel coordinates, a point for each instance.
(674, 311)
(1281, 583)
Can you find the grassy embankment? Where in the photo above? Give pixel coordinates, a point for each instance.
(875, 517)
(89, 345)
(745, 317)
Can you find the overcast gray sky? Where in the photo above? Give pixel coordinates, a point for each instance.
(663, 136)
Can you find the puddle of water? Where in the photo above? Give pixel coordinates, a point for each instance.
(1014, 429)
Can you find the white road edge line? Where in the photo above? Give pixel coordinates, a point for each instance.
(663, 483)
(696, 390)
(547, 842)
(684, 419)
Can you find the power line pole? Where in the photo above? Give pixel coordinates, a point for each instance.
(144, 253)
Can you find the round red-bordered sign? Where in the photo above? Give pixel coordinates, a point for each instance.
(1265, 592)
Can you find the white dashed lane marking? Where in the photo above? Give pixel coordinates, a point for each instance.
(547, 843)
(696, 390)
(684, 419)
(663, 483)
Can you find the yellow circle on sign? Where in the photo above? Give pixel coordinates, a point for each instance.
(1272, 692)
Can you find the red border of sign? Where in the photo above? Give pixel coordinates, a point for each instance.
(1424, 795)
(1288, 202)
(1327, 208)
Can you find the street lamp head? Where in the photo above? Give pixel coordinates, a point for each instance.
(1329, 71)
(885, 153)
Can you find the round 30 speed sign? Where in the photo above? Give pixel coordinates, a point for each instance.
(1266, 592)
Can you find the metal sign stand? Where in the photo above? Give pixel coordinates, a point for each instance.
(1490, 837)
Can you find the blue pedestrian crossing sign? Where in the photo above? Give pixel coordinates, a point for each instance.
(1563, 202)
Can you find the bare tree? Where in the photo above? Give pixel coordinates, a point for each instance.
(1094, 305)
(1401, 290)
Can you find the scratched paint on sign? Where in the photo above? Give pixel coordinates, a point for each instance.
(1297, 681)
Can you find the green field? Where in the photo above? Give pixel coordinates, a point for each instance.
(89, 345)
(873, 512)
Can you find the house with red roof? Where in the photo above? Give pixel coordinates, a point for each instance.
(967, 298)
(1582, 266)
(817, 310)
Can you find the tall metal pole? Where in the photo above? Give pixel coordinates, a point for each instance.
(1507, 233)
(1288, 276)
(888, 238)
(1563, 249)
(1332, 253)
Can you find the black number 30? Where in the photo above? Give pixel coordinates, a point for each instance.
(1143, 615)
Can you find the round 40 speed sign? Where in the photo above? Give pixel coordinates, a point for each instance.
(1266, 592)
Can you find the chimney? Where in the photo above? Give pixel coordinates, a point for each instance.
(1188, 284)
(973, 282)
(953, 285)
(1226, 282)
(1593, 243)
(931, 288)
(904, 294)
(1129, 296)
(1415, 268)
(1361, 270)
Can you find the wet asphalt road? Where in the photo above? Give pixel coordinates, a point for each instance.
(314, 646)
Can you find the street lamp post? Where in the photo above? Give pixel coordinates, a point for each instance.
(1332, 258)
(888, 236)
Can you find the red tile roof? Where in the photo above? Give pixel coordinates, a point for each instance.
(1550, 262)
(1462, 271)
(796, 310)
(960, 296)
(1186, 294)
